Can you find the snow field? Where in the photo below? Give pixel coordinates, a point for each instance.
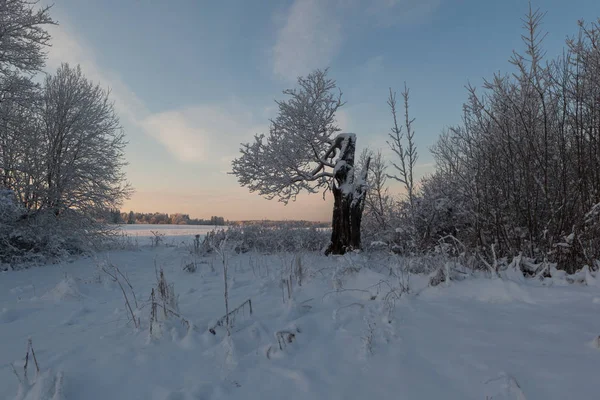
(341, 336)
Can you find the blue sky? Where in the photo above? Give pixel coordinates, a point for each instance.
(193, 79)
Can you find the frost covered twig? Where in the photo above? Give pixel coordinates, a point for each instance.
(220, 249)
(229, 318)
(285, 337)
(115, 278)
(25, 379)
(368, 339)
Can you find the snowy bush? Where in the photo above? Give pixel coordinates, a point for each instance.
(45, 237)
(164, 305)
(517, 176)
(9, 213)
(9, 208)
(268, 239)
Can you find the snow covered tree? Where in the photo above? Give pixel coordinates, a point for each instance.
(22, 36)
(85, 144)
(305, 151)
(61, 146)
(22, 41)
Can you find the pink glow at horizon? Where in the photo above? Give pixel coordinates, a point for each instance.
(233, 205)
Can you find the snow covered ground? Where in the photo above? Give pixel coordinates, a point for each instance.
(174, 234)
(475, 339)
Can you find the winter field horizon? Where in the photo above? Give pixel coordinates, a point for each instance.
(454, 146)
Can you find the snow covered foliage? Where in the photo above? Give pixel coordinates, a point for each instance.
(9, 213)
(61, 144)
(85, 159)
(268, 239)
(519, 177)
(23, 37)
(295, 154)
(526, 158)
(42, 237)
(304, 151)
(9, 208)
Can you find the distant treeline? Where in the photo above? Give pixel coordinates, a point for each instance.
(287, 223)
(118, 217)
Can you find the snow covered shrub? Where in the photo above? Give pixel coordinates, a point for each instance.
(516, 161)
(268, 239)
(9, 214)
(9, 208)
(436, 212)
(582, 245)
(23, 238)
(348, 267)
(157, 238)
(440, 276)
(166, 294)
(44, 236)
(190, 267)
(504, 185)
(212, 240)
(197, 244)
(378, 218)
(164, 304)
(122, 241)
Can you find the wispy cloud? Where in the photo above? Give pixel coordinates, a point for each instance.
(177, 134)
(309, 39)
(311, 34)
(199, 133)
(193, 134)
(393, 12)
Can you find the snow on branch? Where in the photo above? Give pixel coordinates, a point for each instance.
(300, 149)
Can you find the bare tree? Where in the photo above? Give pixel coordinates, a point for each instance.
(85, 144)
(22, 41)
(379, 204)
(305, 151)
(23, 36)
(406, 152)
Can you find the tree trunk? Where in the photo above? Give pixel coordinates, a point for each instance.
(341, 232)
(348, 200)
(356, 210)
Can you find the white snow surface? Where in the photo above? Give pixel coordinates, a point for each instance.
(170, 231)
(474, 339)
